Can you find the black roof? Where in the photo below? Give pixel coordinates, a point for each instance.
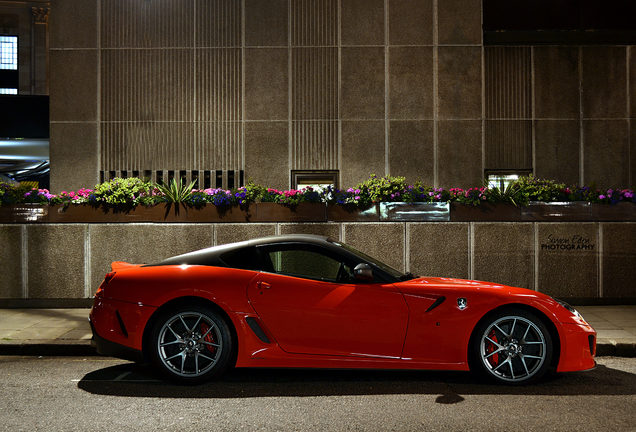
(210, 256)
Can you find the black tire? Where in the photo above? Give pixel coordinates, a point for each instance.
(190, 344)
(512, 346)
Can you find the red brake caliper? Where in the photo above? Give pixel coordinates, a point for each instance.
(494, 359)
(208, 337)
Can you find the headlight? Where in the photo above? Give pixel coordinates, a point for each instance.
(570, 309)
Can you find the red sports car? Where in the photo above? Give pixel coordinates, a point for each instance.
(312, 302)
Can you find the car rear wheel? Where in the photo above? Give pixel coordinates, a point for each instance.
(512, 347)
(191, 344)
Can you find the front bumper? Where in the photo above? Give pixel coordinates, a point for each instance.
(578, 348)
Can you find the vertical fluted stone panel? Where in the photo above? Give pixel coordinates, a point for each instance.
(218, 84)
(147, 145)
(147, 85)
(314, 22)
(147, 24)
(314, 108)
(508, 144)
(508, 82)
(314, 144)
(217, 23)
(218, 145)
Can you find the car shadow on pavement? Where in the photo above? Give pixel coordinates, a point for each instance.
(136, 380)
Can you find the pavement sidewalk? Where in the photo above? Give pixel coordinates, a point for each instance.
(49, 332)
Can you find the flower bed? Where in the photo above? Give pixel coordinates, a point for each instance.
(377, 199)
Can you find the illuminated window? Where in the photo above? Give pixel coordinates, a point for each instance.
(318, 180)
(503, 179)
(9, 52)
(8, 64)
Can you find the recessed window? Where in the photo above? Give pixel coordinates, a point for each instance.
(318, 180)
(502, 180)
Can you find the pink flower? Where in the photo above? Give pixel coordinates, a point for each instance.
(601, 197)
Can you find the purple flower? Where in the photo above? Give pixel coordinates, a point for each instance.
(601, 197)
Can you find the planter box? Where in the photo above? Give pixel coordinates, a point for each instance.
(416, 211)
(303, 212)
(577, 211)
(621, 212)
(485, 212)
(83, 213)
(340, 213)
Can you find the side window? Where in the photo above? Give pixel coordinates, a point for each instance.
(245, 259)
(308, 264)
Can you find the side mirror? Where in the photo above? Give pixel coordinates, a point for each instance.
(363, 272)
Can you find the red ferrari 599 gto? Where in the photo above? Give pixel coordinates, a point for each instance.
(312, 302)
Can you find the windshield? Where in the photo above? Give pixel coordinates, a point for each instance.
(390, 270)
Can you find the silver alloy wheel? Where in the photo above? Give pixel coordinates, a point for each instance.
(513, 348)
(189, 344)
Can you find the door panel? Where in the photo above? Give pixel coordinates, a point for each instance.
(315, 317)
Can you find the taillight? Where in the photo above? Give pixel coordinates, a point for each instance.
(107, 278)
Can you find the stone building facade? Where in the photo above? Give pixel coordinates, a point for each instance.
(230, 90)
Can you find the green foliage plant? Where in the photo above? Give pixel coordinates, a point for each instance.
(124, 192)
(176, 193)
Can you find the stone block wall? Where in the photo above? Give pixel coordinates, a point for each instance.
(589, 261)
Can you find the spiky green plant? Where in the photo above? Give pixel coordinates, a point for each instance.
(175, 192)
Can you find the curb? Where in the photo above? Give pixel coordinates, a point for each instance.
(49, 349)
(616, 349)
(86, 349)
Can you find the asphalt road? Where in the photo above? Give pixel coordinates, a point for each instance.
(93, 394)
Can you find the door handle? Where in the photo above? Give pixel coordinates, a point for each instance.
(264, 285)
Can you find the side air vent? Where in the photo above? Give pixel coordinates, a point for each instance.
(438, 302)
(258, 331)
(121, 324)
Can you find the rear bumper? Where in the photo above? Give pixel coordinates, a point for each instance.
(112, 349)
(118, 327)
(578, 348)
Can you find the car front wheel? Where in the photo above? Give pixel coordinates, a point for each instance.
(191, 344)
(512, 347)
